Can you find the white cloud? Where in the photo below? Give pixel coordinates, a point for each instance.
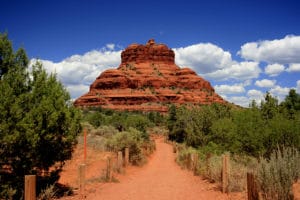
(239, 71)
(79, 71)
(265, 83)
(293, 67)
(229, 89)
(274, 69)
(203, 58)
(77, 90)
(256, 95)
(110, 46)
(279, 92)
(298, 86)
(283, 51)
(239, 100)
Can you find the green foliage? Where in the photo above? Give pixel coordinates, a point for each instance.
(253, 131)
(194, 125)
(156, 118)
(249, 132)
(36, 118)
(291, 104)
(133, 139)
(269, 107)
(122, 121)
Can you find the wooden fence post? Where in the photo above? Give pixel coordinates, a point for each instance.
(84, 145)
(225, 173)
(30, 187)
(188, 161)
(81, 176)
(195, 163)
(120, 162)
(207, 164)
(174, 144)
(126, 162)
(108, 169)
(252, 187)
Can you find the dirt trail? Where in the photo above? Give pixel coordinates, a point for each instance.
(161, 178)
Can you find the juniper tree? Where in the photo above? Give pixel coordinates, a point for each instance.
(38, 124)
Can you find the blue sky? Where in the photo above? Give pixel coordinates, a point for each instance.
(244, 48)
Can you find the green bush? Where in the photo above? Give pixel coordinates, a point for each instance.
(133, 139)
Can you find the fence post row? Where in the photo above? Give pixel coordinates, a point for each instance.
(195, 163)
(207, 163)
(30, 187)
(120, 162)
(126, 162)
(82, 180)
(108, 175)
(225, 173)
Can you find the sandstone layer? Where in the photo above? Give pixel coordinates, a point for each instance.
(148, 80)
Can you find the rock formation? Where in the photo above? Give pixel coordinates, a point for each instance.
(148, 80)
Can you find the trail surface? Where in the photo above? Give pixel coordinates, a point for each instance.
(160, 179)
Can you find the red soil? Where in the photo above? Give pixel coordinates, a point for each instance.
(161, 178)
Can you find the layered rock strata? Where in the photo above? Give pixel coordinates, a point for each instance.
(148, 80)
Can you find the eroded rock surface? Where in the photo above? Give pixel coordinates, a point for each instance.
(148, 80)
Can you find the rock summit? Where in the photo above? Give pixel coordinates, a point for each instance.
(148, 80)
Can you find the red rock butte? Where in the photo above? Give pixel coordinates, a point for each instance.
(148, 80)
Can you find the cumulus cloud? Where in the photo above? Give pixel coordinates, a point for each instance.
(239, 100)
(298, 86)
(110, 46)
(293, 67)
(238, 71)
(256, 95)
(79, 71)
(282, 51)
(77, 90)
(229, 89)
(274, 69)
(203, 58)
(280, 92)
(266, 83)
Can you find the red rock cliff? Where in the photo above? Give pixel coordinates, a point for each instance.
(148, 80)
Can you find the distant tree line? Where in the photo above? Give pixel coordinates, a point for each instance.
(254, 131)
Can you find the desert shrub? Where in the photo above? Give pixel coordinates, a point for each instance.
(132, 139)
(148, 147)
(104, 131)
(183, 156)
(7, 192)
(158, 130)
(47, 193)
(212, 168)
(239, 166)
(277, 174)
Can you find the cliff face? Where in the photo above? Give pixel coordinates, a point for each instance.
(148, 79)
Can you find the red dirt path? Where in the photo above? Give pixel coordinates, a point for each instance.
(161, 178)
